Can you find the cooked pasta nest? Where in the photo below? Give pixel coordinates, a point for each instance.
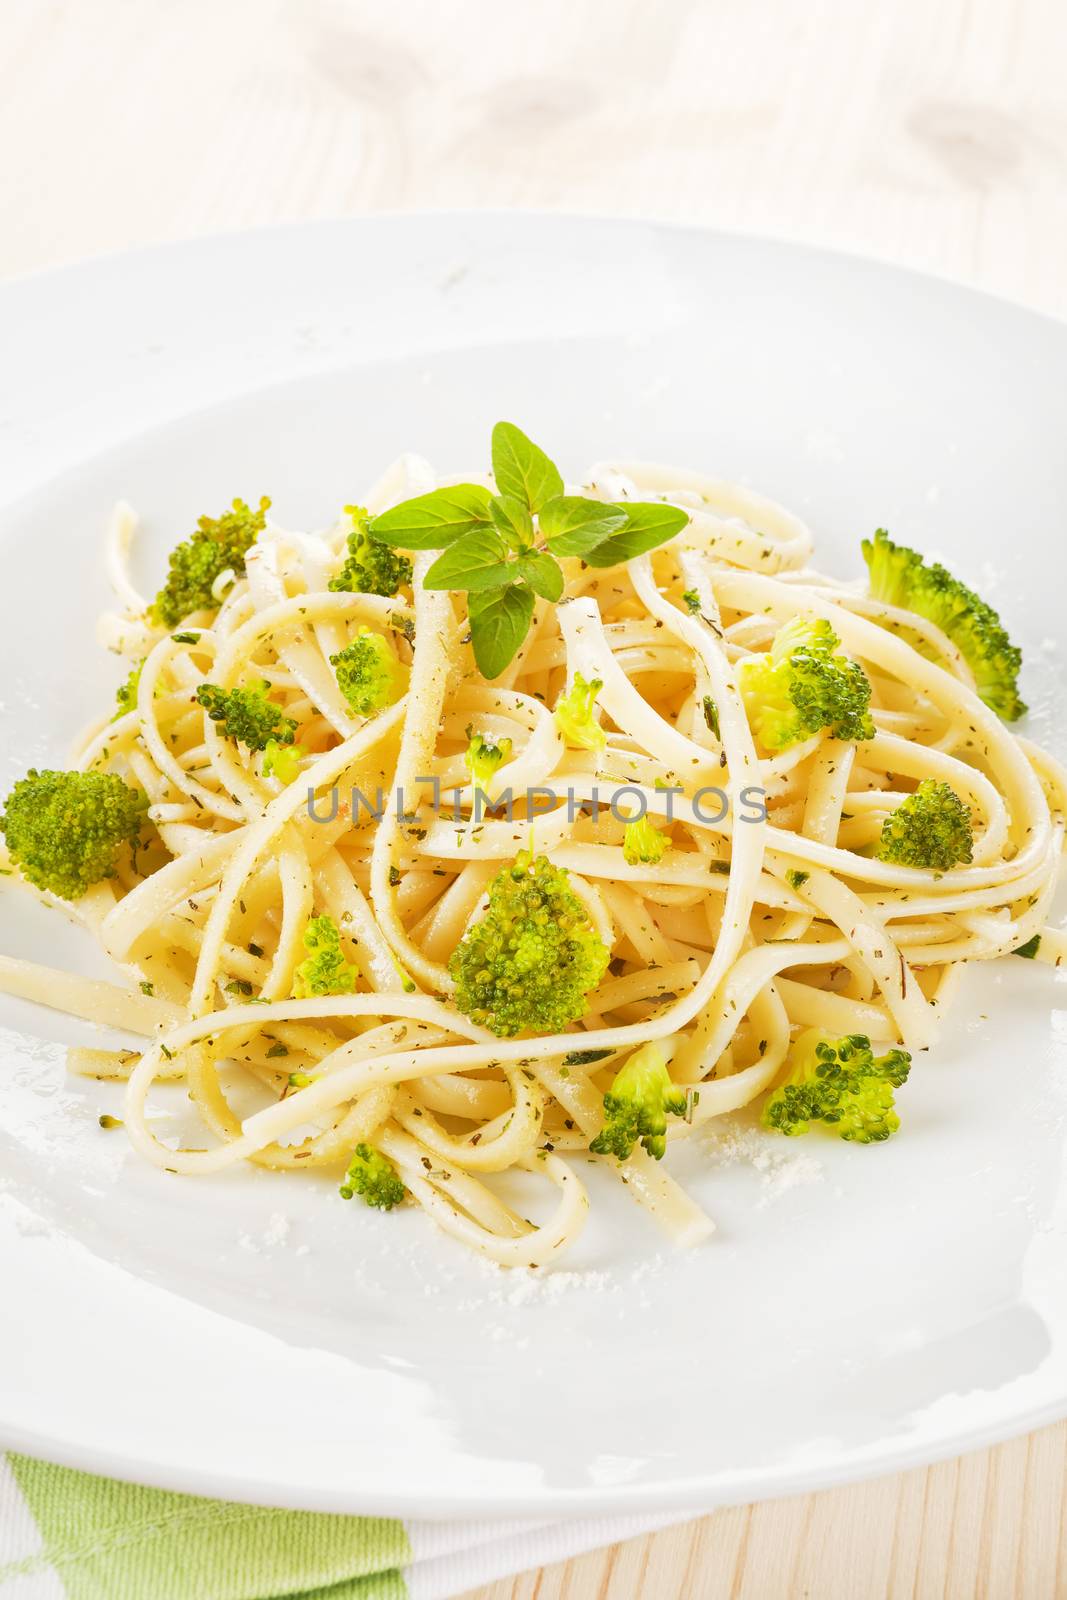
(745, 930)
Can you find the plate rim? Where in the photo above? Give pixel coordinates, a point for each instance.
(778, 239)
(618, 1500)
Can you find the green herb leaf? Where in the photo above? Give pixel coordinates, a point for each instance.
(573, 525)
(500, 620)
(432, 521)
(648, 524)
(511, 518)
(521, 469)
(542, 574)
(477, 561)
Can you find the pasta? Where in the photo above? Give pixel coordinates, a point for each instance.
(764, 914)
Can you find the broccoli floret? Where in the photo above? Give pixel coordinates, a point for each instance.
(637, 1104)
(126, 693)
(220, 544)
(574, 715)
(65, 829)
(370, 567)
(900, 577)
(373, 1178)
(931, 828)
(325, 971)
(800, 686)
(369, 675)
(482, 757)
(282, 761)
(643, 841)
(839, 1082)
(247, 715)
(528, 965)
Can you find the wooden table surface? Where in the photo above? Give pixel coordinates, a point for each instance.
(932, 132)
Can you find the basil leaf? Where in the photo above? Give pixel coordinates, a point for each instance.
(521, 469)
(477, 561)
(500, 621)
(572, 525)
(431, 521)
(513, 520)
(648, 524)
(542, 574)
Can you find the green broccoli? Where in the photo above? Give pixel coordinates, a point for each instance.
(370, 567)
(528, 965)
(931, 828)
(247, 715)
(325, 971)
(800, 686)
(369, 675)
(373, 1178)
(643, 841)
(220, 544)
(900, 577)
(637, 1104)
(65, 829)
(574, 715)
(482, 758)
(839, 1082)
(126, 693)
(282, 760)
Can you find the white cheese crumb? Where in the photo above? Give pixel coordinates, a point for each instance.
(277, 1230)
(779, 1165)
(523, 1286)
(519, 1286)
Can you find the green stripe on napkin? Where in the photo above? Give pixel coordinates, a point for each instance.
(117, 1541)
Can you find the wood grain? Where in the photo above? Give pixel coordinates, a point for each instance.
(989, 1526)
(932, 132)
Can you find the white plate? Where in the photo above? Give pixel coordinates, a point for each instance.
(253, 1337)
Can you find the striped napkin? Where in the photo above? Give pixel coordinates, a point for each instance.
(65, 1535)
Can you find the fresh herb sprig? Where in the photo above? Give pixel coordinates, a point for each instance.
(503, 549)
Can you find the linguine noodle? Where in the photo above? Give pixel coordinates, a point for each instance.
(771, 916)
